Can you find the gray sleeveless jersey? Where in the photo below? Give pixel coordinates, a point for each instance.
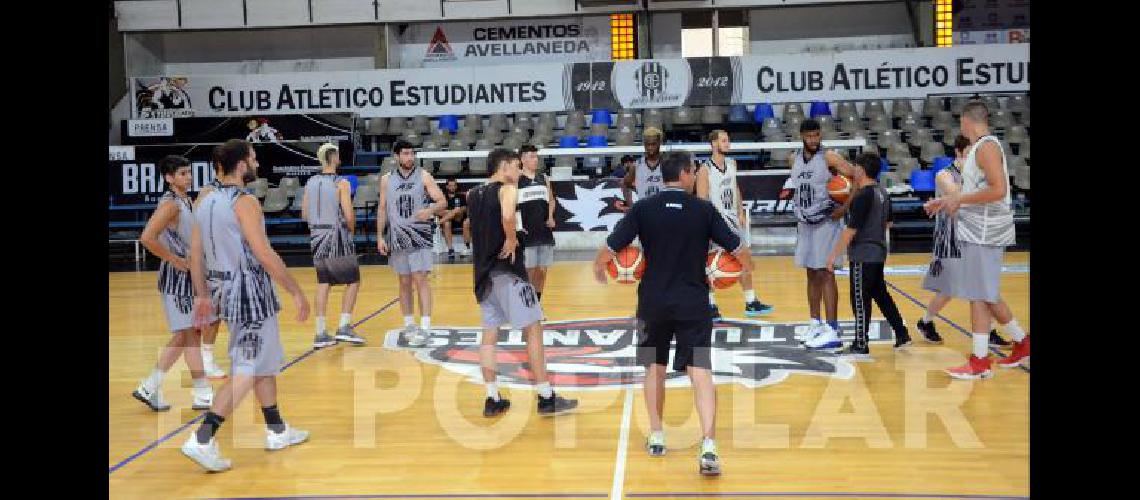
(945, 241)
(648, 181)
(171, 280)
(989, 223)
(405, 197)
(239, 286)
(328, 228)
(813, 204)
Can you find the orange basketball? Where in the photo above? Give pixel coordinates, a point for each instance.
(723, 269)
(627, 266)
(839, 187)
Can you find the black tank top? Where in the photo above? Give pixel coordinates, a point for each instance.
(487, 238)
(534, 207)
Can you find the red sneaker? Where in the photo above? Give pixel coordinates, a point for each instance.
(1020, 353)
(973, 369)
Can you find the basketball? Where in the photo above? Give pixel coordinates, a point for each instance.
(839, 187)
(723, 269)
(627, 266)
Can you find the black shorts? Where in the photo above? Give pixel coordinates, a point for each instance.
(694, 342)
(337, 270)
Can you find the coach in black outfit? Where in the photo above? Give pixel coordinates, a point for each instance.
(674, 228)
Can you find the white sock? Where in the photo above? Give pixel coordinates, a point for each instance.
(345, 319)
(928, 316)
(712, 298)
(208, 354)
(493, 390)
(154, 380)
(981, 344)
(749, 296)
(201, 383)
(708, 445)
(425, 322)
(320, 324)
(816, 322)
(658, 436)
(409, 320)
(1014, 330)
(544, 390)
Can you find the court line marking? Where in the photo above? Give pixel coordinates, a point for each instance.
(192, 421)
(809, 494)
(623, 443)
(947, 320)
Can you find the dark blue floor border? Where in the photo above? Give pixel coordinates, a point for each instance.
(163, 439)
(947, 320)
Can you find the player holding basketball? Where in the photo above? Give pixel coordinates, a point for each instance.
(674, 228)
(229, 243)
(167, 235)
(646, 169)
(819, 227)
(405, 209)
(865, 241)
(716, 182)
(536, 218)
(501, 287)
(210, 331)
(946, 253)
(983, 228)
(326, 206)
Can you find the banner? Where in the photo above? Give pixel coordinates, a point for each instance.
(333, 127)
(482, 43)
(556, 86)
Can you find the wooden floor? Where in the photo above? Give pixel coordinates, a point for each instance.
(385, 424)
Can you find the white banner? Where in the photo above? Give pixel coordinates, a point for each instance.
(885, 74)
(481, 43)
(151, 127)
(121, 153)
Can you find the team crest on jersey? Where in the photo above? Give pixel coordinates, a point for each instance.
(599, 354)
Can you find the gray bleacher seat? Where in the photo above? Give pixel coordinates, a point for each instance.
(397, 124)
(888, 137)
(712, 115)
(260, 187)
(376, 126)
(943, 120)
(826, 122)
(931, 106)
(626, 118)
(793, 109)
(905, 166)
(624, 139)
(683, 115)
(441, 135)
(845, 109)
(429, 144)
(477, 165)
(412, 137)
(1017, 103)
(421, 124)
(919, 136)
(999, 119)
(874, 108)
(771, 126)
(492, 135)
(484, 145)
(512, 143)
(575, 118)
(896, 152)
(931, 150)
(275, 201)
(497, 122)
(457, 145)
(652, 117)
(1016, 134)
(388, 164)
(473, 121)
(829, 135)
(949, 136)
(523, 121)
(291, 185)
(573, 128)
(792, 123)
(879, 123)
(1023, 150)
(450, 166)
(365, 193)
(900, 108)
(1020, 175)
(910, 121)
(599, 129)
(850, 124)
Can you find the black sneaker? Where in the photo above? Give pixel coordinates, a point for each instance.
(756, 308)
(451, 254)
(857, 350)
(492, 408)
(902, 339)
(715, 312)
(929, 332)
(997, 341)
(555, 405)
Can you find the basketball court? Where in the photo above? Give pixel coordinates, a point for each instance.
(389, 421)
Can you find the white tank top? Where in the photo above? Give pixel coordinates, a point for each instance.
(722, 190)
(648, 181)
(987, 223)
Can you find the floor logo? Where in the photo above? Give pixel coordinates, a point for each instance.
(599, 354)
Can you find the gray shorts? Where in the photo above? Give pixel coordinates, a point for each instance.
(978, 275)
(539, 256)
(255, 348)
(510, 301)
(337, 270)
(815, 242)
(411, 261)
(179, 312)
(941, 275)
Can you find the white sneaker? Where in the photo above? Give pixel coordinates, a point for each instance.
(205, 455)
(810, 333)
(213, 372)
(826, 340)
(152, 399)
(291, 436)
(419, 337)
(203, 398)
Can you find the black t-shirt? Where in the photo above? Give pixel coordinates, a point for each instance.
(487, 238)
(674, 228)
(457, 200)
(534, 208)
(869, 214)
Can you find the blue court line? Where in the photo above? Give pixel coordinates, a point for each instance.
(163, 439)
(809, 494)
(431, 495)
(947, 320)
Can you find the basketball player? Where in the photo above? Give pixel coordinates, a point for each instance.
(167, 235)
(409, 198)
(716, 182)
(819, 228)
(501, 287)
(229, 243)
(674, 228)
(983, 228)
(210, 331)
(536, 218)
(946, 252)
(327, 207)
(455, 213)
(645, 169)
(865, 241)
